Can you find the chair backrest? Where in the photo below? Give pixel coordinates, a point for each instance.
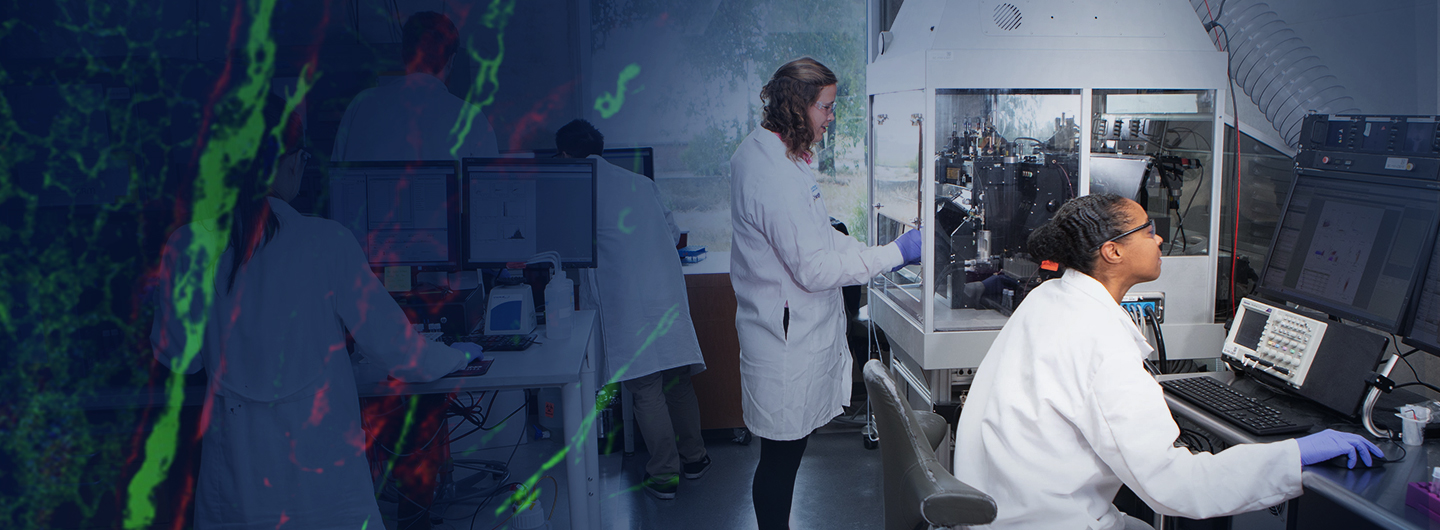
(919, 492)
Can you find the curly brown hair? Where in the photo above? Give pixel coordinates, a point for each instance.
(787, 96)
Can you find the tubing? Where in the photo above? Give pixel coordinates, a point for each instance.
(1274, 67)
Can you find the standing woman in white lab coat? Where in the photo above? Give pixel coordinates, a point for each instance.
(283, 443)
(1062, 411)
(787, 266)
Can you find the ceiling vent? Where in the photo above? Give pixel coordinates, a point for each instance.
(1007, 17)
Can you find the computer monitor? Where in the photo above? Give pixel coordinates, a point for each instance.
(1422, 328)
(402, 213)
(1354, 246)
(516, 208)
(636, 159)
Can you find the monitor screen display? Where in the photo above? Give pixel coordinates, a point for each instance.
(1377, 134)
(639, 160)
(1418, 137)
(1353, 247)
(516, 208)
(1423, 329)
(401, 213)
(1335, 135)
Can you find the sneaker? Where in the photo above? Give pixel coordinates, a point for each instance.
(661, 489)
(696, 470)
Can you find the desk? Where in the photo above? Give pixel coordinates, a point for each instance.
(1376, 496)
(565, 363)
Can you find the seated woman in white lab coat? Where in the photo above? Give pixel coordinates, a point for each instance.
(283, 443)
(1062, 411)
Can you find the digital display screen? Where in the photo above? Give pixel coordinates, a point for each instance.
(1352, 248)
(1418, 138)
(516, 208)
(400, 213)
(1377, 135)
(1252, 326)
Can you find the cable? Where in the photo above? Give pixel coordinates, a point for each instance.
(555, 496)
(1066, 174)
(507, 417)
(1235, 108)
(1419, 383)
(1178, 130)
(1159, 337)
(399, 31)
(492, 494)
(376, 441)
(1218, 11)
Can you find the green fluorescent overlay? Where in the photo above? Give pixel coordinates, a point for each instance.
(608, 104)
(578, 441)
(487, 83)
(621, 222)
(120, 123)
(214, 199)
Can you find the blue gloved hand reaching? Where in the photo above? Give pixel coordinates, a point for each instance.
(909, 245)
(1328, 444)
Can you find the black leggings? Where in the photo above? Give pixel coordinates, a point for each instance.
(774, 484)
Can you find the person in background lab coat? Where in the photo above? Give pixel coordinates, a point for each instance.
(1062, 411)
(284, 444)
(416, 117)
(787, 266)
(409, 119)
(645, 323)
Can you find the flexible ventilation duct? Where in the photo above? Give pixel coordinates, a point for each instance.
(1274, 67)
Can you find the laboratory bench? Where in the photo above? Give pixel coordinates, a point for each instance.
(712, 309)
(1334, 497)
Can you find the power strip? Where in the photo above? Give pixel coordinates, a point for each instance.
(1140, 304)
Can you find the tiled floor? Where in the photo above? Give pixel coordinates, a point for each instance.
(838, 487)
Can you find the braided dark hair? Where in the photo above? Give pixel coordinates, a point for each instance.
(788, 96)
(1080, 226)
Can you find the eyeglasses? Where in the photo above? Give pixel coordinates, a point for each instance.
(827, 107)
(1148, 224)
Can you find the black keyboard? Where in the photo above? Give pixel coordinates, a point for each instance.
(1243, 411)
(500, 342)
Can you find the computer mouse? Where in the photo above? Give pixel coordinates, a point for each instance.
(1343, 462)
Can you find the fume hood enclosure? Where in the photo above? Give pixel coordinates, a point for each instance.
(985, 116)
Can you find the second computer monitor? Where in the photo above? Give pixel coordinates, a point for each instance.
(402, 213)
(1423, 329)
(516, 208)
(639, 160)
(1353, 246)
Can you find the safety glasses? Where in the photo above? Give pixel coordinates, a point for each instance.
(1122, 235)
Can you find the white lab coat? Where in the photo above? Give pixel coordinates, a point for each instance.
(284, 438)
(1062, 411)
(411, 119)
(786, 254)
(638, 287)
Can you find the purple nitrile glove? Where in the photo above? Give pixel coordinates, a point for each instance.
(909, 245)
(1328, 444)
